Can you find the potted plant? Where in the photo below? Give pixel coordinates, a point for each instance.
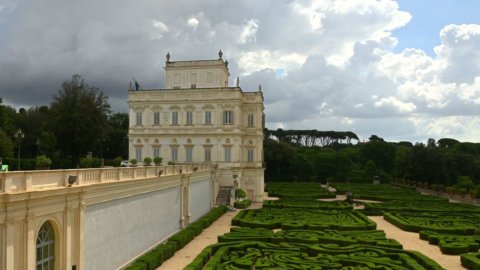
(133, 162)
(43, 162)
(157, 161)
(147, 161)
(240, 194)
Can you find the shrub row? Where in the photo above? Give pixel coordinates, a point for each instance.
(342, 238)
(452, 244)
(298, 190)
(471, 260)
(155, 257)
(421, 206)
(243, 204)
(294, 218)
(382, 192)
(296, 203)
(262, 255)
(449, 223)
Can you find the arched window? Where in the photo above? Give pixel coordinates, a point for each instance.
(46, 247)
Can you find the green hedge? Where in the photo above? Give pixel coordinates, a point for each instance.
(447, 223)
(471, 260)
(299, 203)
(298, 190)
(243, 204)
(296, 218)
(264, 255)
(452, 244)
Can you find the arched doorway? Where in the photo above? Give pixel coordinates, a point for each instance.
(45, 251)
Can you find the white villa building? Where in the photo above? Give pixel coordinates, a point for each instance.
(199, 118)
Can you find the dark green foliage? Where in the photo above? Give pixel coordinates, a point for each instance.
(264, 255)
(449, 223)
(79, 118)
(137, 265)
(420, 205)
(381, 192)
(152, 259)
(291, 218)
(182, 238)
(298, 190)
(243, 204)
(471, 261)
(298, 203)
(452, 243)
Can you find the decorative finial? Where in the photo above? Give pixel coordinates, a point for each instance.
(130, 86)
(238, 82)
(220, 54)
(259, 88)
(168, 57)
(226, 63)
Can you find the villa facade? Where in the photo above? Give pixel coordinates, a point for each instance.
(199, 118)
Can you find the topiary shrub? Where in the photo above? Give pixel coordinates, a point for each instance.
(243, 204)
(157, 160)
(471, 260)
(43, 161)
(147, 161)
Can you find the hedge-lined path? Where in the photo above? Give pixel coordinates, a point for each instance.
(412, 241)
(409, 240)
(207, 237)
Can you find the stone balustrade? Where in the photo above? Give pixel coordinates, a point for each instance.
(22, 181)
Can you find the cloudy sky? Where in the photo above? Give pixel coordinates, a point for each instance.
(402, 70)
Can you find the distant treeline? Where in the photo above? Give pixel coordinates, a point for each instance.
(311, 155)
(312, 137)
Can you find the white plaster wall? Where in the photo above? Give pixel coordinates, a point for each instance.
(199, 202)
(119, 230)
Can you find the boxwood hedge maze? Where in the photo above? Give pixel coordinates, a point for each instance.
(300, 232)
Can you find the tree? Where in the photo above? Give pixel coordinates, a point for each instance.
(6, 146)
(116, 142)
(79, 115)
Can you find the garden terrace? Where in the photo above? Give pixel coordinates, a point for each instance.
(421, 206)
(382, 192)
(294, 218)
(452, 244)
(342, 238)
(298, 190)
(264, 255)
(450, 223)
(294, 203)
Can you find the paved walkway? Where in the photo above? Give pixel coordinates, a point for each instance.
(409, 240)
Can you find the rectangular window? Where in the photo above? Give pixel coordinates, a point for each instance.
(208, 117)
(228, 117)
(138, 121)
(189, 154)
(174, 118)
(250, 120)
(208, 154)
(228, 154)
(250, 153)
(156, 152)
(189, 118)
(156, 118)
(174, 154)
(138, 153)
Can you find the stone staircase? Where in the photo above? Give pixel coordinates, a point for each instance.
(223, 196)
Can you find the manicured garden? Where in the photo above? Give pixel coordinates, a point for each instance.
(454, 227)
(299, 232)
